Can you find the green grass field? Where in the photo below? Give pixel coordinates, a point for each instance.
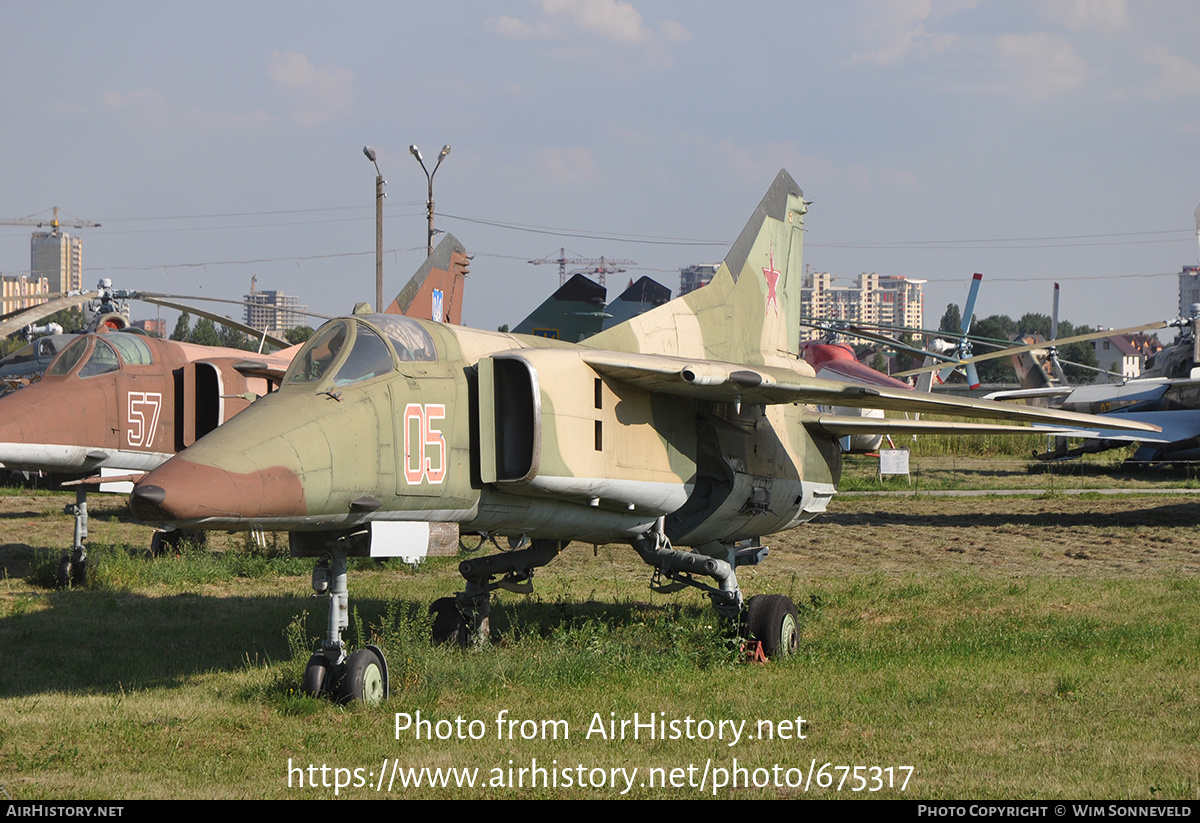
(1030, 647)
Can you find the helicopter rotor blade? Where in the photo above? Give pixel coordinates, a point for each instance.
(250, 331)
(1158, 324)
(23, 318)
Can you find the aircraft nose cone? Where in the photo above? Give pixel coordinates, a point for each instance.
(144, 502)
(182, 491)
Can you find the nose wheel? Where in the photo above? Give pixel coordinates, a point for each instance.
(363, 678)
(360, 676)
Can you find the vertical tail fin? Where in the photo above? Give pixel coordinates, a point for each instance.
(435, 292)
(750, 311)
(574, 312)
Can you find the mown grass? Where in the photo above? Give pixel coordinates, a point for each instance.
(932, 470)
(179, 676)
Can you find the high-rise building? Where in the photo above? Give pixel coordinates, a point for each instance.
(22, 292)
(879, 299)
(1189, 289)
(273, 311)
(693, 277)
(58, 257)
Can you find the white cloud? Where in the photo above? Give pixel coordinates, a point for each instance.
(900, 29)
(674, 32)
(124, 100)
(763, 161)
(319, 94)
(1079, 15)
(571, 166)
(590, 29)
(513, 29)
(1179, 77)
(613, 20)
(1038, 66)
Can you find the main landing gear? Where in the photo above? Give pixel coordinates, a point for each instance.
(170, 540)
(770, 620)
(361, 675)
(465, 618)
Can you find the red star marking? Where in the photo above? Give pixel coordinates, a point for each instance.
(772, 278)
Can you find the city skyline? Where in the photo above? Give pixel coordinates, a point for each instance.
(1032, 142)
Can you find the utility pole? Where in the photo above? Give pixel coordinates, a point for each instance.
(379, 195)
(429, 177)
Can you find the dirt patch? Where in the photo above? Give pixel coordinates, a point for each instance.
(1112, 536)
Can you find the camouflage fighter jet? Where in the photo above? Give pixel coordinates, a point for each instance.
(689, 425)
(120, 403)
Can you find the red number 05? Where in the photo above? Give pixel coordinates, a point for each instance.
(426, 436)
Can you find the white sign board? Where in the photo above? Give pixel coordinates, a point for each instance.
(893, 461)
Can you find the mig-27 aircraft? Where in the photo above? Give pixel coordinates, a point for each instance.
(691, 425)
(120, 403)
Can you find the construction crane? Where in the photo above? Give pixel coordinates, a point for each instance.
(54, 223)
(68, 278)
(604, 266)
(599, 267)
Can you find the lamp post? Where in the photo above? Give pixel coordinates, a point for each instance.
(379, 195)
(429, 177)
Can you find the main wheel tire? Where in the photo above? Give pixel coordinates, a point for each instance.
(198, 538)
(172, 541)
(315, 674)
(448, 624)
(772, 620)
(166, 542)
(362, 679)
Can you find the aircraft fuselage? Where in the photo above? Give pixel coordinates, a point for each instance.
(501, 434)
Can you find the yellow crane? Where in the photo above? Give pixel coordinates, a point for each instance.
(54, 223)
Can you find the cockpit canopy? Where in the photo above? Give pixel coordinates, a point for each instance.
(101, 354)
(350, 350)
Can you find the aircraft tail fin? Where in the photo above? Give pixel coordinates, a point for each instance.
(435, 292)
(1031, 374)
(638, 298)
(573, 313)
(750, 311)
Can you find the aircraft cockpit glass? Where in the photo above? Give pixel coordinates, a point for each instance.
(348, 351)
(27, 354)
(318, 354)
(103, 360)
(133, 351)
(66, 361)
(369, 357)
(409, 338)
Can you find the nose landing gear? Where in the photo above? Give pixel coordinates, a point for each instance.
(360, 676)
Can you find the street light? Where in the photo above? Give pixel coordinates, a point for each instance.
(429, 176)
(379, 195)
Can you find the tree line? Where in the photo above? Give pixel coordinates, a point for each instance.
(1002, 327)
(208, 333)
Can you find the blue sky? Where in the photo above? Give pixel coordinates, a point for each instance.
(1031, 142)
